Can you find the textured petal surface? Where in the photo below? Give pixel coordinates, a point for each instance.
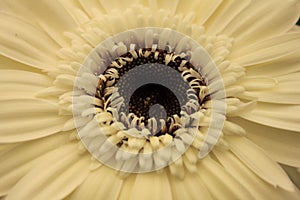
(276, 115)
(219, 182)
(267, 50)
(103, 183)
(26, 43)
(258, 188)
(253, 24)
(283, 146)
(20, 159)
(49, 15)
(21, 84)
(258, 161)
(151, 186)
(27, 119)
(56, 175)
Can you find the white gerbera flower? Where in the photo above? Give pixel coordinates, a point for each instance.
(149, 99)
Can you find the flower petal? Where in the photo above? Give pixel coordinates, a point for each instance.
(276, 115)
(267, 50)
(203, 9)
(281, 145)
(258, 161)
(25, 43)
(49, 15)
(286, 91)
(28, 119)
(258, 188)
(220, 183)
(56, 175)
(104, 183)
(16, 84)
(20, 159)
(262, 20)
(284, 65)
(191, 187)
(225, 13)
(150, 186)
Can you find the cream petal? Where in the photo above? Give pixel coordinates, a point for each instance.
(259, 162)
(91, 7)
(21, 84)
(103, 183)
(225, 13)
(285, 91)
(258, 188)
(281, 145)
(190, 187)
(20, 159)
(27, 119)
(54, 177)
(49, 15)
(219, 182)
(127, 188)
(165, 5)
(203, 9)
(25, 43)
(150, 186)
(113, 5)
(275, 115)
(253, 24)
(7, 63)
(281, 66)
(267, 50)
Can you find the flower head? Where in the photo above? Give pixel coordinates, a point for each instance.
(149, 99)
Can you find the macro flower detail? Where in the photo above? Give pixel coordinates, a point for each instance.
(149, 99)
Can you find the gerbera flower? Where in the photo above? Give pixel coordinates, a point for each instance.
(149, 99)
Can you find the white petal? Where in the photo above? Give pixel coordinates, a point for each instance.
(21, 84)
(27, 119)
(56, 175)
(258, 188)
(268, 50)
(224, 15)
(258, 161)
(150, 186)
(50, 15)
(276, 115)
(104, 183)
(253, 24)
(281, 145)
(220, 183)
(25, 43)
(20, 159)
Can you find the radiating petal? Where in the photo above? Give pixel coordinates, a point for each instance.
(267, 50)
(150, 186)
(202, 9)
(166, 5)
(225, 13)
(20, 159)
(49, 15)
(258, 188)
(25, 43)
(259, 162)
(191, 187)
(253, 24)
(112, 5)
(281, 145)
(294, 174)
(276, 115)
(56, 175)
(281, 66)
(220, 183)
(286, 91)
(27, 119)
(21, 84)
(104, 183)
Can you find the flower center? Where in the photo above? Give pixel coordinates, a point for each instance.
(140, 79)
(140, 100)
